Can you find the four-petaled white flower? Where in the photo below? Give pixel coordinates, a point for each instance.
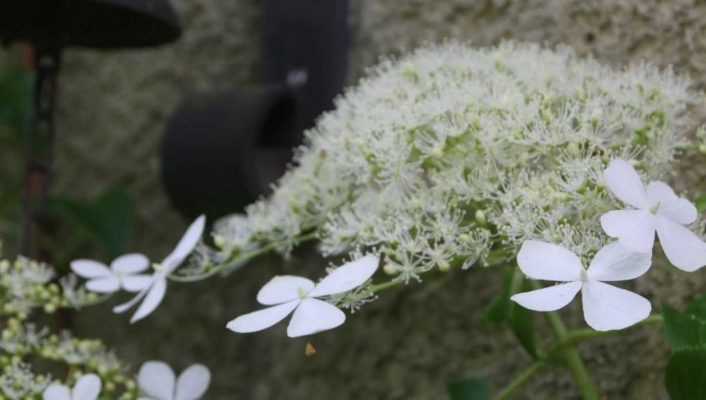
(158, 382)
(154, 291)
(124, 272)
(656, 209)
(88, 387)
(605, 307)
(293, 293)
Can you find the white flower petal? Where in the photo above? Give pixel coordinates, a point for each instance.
(135, 283)
(109, 284)
(606, 307)
(262, 319)
(671, 206)
(615, 262)
(284, 288)
(625, 184)
(154, 296)
(546, 261)
(130, 263)
(635, 229)
(682, 247)
(156, 379)
(193, 383)
(121, 308)
(346, 277)
(90, 269)
(56, 392)
(313, 316)
(185, 246)
(550, 298)
(88, 387)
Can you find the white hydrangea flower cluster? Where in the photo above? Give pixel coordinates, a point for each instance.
(454, 156)
(92, 369)
(18, 382)
(27, 284)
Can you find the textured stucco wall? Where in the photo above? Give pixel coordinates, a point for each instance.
(113, 106)
(411, 342)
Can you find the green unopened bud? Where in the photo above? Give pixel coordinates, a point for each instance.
(219, 241)
(390, 269)
(480, 217)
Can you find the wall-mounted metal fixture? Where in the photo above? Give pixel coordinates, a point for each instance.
(222, 150)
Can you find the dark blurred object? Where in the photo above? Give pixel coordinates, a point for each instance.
(212, 160)
(306, 45)
(223, 150)
(104, 24)
(52, 25)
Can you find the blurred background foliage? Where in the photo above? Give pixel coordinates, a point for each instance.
(15, 112)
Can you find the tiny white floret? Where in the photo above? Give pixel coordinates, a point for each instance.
(157, 381)
(87, 387)
(605, 307)
(656, 208)
(124, 272)
(154, 291)
(286, 294)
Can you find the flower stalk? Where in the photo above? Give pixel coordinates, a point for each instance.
(581, 376)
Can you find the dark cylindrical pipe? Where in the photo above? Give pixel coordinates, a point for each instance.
(212, 161)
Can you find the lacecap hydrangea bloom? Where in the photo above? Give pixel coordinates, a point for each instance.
(454, 156)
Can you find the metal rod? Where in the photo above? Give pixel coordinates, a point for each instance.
(39, 147)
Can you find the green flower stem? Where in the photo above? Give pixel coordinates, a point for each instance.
(384, 285)
(578, 336)
(571, 339)
(238, 261)
(520, 380)
(583, 379)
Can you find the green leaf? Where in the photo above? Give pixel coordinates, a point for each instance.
(522, 325)
(698, 307)
(687, 329)
(15, 96)
(685, 376)
(500, 309)
(109, 219)
(701, 203)
(469, 389)
(504, 311)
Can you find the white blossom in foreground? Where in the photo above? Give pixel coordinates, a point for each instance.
(88, 387)
(655, 209)
(605, 307)
(287, 294)
(154, 292)
(124, 272)
(158, 382)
